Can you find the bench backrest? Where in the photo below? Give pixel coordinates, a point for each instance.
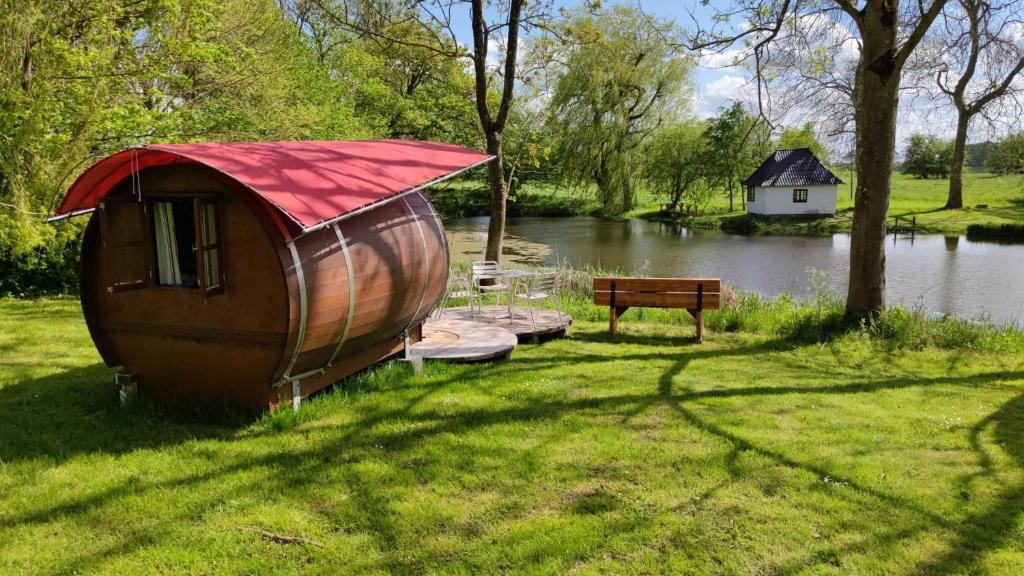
(690, 293)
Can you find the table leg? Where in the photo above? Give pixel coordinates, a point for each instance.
(511, 295)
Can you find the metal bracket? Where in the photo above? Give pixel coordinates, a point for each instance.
(300, 277)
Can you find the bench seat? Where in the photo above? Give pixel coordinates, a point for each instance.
(693, 294)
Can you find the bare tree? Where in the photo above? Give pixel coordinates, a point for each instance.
(981, 55)
(496, 25)
(888, 34)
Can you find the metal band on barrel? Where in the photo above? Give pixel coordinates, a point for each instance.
(426, 262)
(351, 295)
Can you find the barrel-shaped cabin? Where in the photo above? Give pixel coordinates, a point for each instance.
(251, 274)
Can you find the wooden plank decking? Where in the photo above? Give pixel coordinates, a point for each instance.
(548, 323)
(455, 340)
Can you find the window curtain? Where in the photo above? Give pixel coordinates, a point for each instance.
(168, 270)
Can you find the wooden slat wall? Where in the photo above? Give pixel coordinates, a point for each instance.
(229, 347)
(400, 267)
(186, 346)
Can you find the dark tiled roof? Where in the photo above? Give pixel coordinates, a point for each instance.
(792, 167)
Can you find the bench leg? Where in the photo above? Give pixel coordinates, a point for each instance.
(613, 318)
(698, 320)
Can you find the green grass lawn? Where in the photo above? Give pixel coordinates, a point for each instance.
(1003, 196)
(747, 454)
(911, 197)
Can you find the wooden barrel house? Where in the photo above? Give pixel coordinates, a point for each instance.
(249, 274)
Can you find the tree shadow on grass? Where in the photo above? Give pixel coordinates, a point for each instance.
(90, 421)
(992, 527)
(77, 412)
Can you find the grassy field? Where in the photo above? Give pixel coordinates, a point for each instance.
(750, 454)
(911, 197)
(923, 199)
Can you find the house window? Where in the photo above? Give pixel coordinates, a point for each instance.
(186, 240)
(800, 195)
(751, 195)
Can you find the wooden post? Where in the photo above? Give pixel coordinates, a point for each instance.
(698, 317)
(613, 312)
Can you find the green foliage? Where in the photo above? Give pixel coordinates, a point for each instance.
(409, 90)
(676, 164)
(530, 154)
(50, 267)
(1008, 232)
(622, 78)
(472, 198)
(1007, 156)
(978, 153)
(84, 78)
(928, 157)
(804, 137)
(738, 143)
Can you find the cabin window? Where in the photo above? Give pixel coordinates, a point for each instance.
(123, 229)
(751, 195)
(800, 195)
(186, 240)
(209, 245)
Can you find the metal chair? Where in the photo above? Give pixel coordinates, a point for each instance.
(541, 286)
(487, 270)
(458, 286)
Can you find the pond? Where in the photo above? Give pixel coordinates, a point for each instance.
(941, 274)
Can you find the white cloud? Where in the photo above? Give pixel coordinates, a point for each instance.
(722, 59)
(721, 92)
(495, 52)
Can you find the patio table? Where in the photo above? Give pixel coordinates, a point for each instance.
(511, 276)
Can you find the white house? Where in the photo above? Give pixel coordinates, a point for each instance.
(792, 182)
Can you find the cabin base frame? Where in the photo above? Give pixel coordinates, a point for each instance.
(300, 388)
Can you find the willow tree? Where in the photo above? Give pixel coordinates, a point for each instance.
(887, 34)
(621, 79)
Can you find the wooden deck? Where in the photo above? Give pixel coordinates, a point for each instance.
(454, 340)
(548, 324)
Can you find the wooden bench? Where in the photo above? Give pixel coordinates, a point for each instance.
(693, 294)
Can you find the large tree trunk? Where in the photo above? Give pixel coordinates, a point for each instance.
(494, 126)
(499, 198)
(955, 199)
(876, 97)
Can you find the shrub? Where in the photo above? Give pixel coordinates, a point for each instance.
(48, 268)
(1011, 232)
(1007, 155)
(928, 156)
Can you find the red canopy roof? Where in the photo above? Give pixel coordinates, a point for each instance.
(310, 182)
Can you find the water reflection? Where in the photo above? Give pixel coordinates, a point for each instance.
(947, 275)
